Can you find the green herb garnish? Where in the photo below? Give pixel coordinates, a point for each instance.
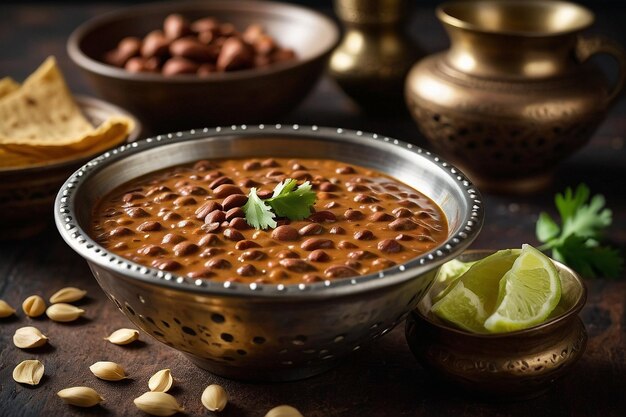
(286, 201)
(576, 241)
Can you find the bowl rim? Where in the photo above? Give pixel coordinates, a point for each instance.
(565, 316)
(80, 241)
(84, 61)
(83, 103)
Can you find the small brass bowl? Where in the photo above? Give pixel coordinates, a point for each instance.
(505, 366)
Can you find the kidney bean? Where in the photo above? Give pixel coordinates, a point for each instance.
(364, 198)
(311, 278)
(286, 253)
(402, 224)
(328, 186)
(316, 243)
(149, 226)
(211, 227)
(296, 265)
(301, 175)
(207, 24)
(337, 230)
(285, 233)
(233, 234)
(352, 215)
(252, 165)
(340, 271)
(120, 246)
(165, 196)
(389, 246)
(382, 262)
(172, 238)
(135, 65)
(239, 223)
(375, 208)
(318, 255)
(363, 235)
(202, 211)
(404, 236)
(217, 263)
(246, 244)
(175, 26)
(345, 170)
(407, 203)
(203, 165)
(185, 248)
(381, 216)
(185, 223)
(123, 222)
(344, 244)
(400, 212)
(235, 55)
(225, 190)
(323, 195)
(166, 264)
(277, 274)
(212, 175)
(352, 263)
(210, 252)
(252, 33)
(151, 250)
(361, 254)
(157, 189)
(120, 231)
(220, 181)
(209, 240)
(203, 273)
(274, 173)
(179, 65)
(192, 190)
(192, 49)
(184, 201)
(252, 255)
(172, 216)
(322, 216)
(234, 200)
(128, 197)
(136, 212)
(234, 213)
(311, 229)
(332, 204)
(154, 44)
(263, 194)
(269, 163)
(216, 216)
(246, 270)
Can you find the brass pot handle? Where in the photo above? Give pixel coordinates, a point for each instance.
(589, 46)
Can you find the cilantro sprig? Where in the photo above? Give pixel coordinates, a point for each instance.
(286, 201)
(576, 242)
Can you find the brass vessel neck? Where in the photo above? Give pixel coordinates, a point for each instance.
(371, 12)
(514, 38)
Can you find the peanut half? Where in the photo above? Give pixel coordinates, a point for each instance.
(34, 306)
(64, 312)
(283, 411)
(80, 396)
(28, 372)
(108, 371)
(161, 381)
(5, 309)
(67, 295)
(123, 336)
(158, 404)
(214, 398)
(29, 337)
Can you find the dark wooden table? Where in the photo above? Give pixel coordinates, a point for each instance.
(382, 379)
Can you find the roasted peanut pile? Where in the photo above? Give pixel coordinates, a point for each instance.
(201, 47)
(189, 220)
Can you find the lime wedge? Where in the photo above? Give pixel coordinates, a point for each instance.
(528, 293)
(468, 302)
(447, 275)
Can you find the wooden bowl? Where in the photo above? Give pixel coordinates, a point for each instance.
(187, 101)
(27, 193)
(503, 366)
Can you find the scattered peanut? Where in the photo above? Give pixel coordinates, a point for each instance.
(108, 371)
(214, 398)
(123, 336)
(80, 396)
(158, 404)
(283, 411)
(29, 337)
(64, 312)
(161, 381)
(28, 372)
(67, 295)
(34, 306)
(5, 309)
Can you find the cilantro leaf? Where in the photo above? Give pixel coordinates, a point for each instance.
(258, 214)
(290, 203)
(576, 241)
(286, 201)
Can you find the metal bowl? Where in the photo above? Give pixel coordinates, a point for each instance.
(27, 193)
(264, 331)
(504, 366)
(184, 101)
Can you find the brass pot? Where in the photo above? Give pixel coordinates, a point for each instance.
(375, 53)
(515, 94)
(503, 366)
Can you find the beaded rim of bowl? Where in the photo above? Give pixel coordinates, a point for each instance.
(82, 243)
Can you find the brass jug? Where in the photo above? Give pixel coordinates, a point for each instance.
(375, 54)
(515, 93)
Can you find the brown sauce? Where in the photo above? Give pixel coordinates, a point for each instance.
(188, 220)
